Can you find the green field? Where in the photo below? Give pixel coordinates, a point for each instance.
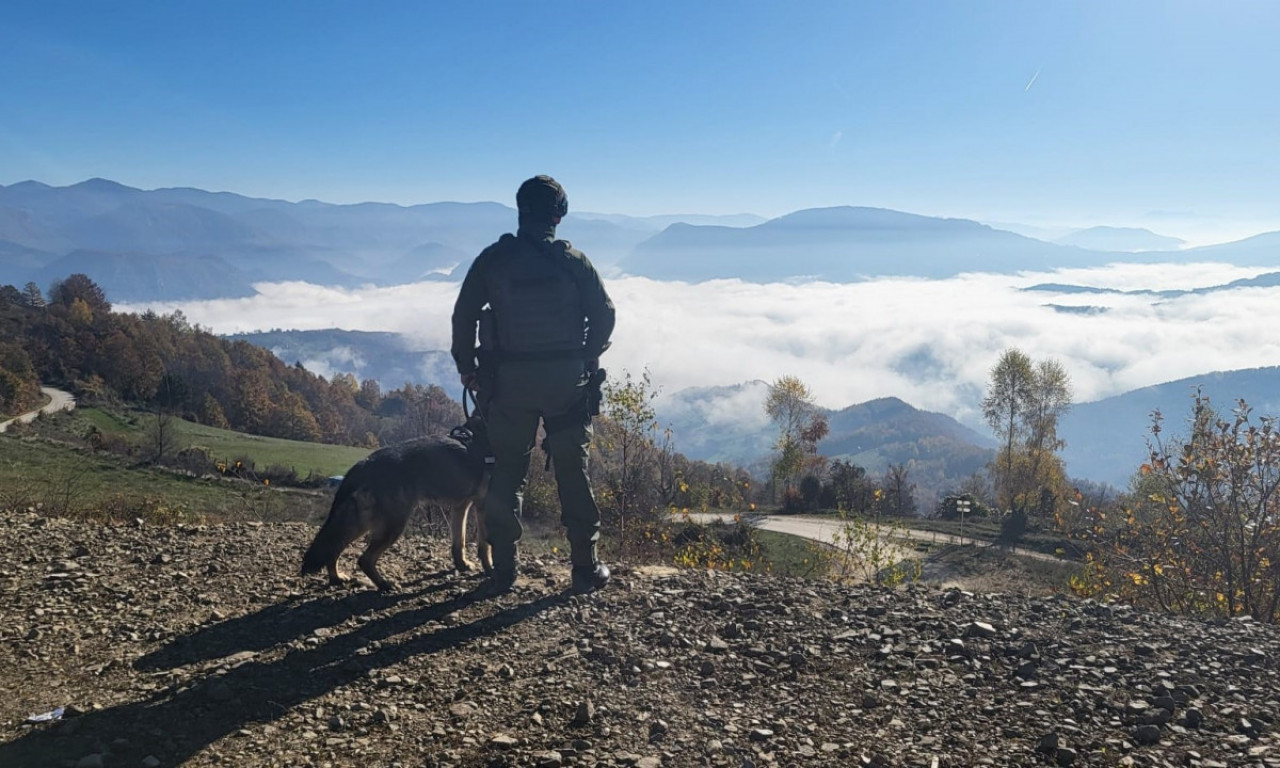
(48, 465)
(63, 479)
(305, 458)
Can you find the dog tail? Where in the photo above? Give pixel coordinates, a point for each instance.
(332, 537)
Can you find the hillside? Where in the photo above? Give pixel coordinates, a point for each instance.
(199, 646)
(1106, 439)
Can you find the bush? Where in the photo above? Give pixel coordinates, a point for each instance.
(197, 461)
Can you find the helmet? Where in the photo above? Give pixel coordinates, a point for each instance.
(542, 196)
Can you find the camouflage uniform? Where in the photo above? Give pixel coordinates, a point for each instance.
(551, 319)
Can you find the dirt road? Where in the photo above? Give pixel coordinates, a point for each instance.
(58, 401)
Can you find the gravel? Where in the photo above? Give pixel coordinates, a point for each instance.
(198, 645)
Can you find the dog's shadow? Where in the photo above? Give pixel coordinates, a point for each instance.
(262, 690)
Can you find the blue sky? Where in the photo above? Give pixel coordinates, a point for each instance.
(1161, 115)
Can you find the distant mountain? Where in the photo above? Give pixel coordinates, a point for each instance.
(1046, 233)
(144, 277)
(842, 244)
(1265, 280)
(259, 239)
(1106, 439)
(1120, 239)
(658, 223)
(388, 358)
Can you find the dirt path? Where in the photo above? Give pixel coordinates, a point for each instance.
(58, 401)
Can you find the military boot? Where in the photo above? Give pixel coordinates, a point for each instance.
(588, 573)
(589, 578)
(506, 568)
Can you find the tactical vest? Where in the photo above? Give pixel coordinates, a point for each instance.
(537, 308)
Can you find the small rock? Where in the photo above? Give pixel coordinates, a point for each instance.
(585, 714)
(1049, 744)
(503, 741)
(1147, 734)
(657, 729)
(979, 629)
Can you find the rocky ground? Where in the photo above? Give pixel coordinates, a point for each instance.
(200, 646)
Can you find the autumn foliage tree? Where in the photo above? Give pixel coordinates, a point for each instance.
(1200, 531)
(1023, 404)
(801, 425)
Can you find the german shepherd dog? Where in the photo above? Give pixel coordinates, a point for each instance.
(381, 491)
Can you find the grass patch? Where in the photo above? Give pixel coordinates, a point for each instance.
(788, 555)
(304, 458)
(66, 480)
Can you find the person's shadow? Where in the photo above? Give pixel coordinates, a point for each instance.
(261, 691)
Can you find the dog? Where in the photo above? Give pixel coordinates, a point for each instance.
(381, 491)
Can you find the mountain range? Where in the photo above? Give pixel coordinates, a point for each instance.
(139, 244)
(183, 243)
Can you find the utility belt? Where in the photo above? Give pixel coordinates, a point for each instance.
(496, 356)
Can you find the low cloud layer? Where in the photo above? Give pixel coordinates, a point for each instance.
(929, 342)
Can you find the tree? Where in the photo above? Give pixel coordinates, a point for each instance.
(79, 286)
(853, 490)
(628, 450)
(1200, 532)
(1007, 400)
(801, 426)
(32, 297)
(899, 497)
(164, 438)
(1024, 403)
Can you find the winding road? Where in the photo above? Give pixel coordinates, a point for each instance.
(825, 529)
(58, 401)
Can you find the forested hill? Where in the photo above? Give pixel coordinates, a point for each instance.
(74, 338)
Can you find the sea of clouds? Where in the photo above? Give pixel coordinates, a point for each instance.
(931, 343)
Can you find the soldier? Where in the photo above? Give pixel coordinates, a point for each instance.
(544, 318)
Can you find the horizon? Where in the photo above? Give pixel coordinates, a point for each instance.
(1143, 114)
(1021, 228)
